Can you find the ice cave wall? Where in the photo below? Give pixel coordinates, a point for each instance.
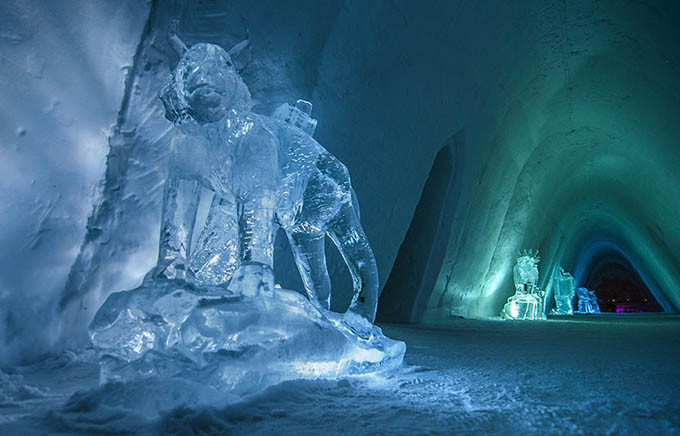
(584, 160)
(64, 67)
(568, 114)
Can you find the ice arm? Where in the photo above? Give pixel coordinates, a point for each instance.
(348, 235)
(180, 203)
(310, 258)
(254, 181)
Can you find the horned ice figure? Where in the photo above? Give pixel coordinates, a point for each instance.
(263, 172)
(209, 312)
(525, 271)
(527, 303)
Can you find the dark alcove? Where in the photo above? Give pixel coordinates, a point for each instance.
(618, 286)
(422, 252)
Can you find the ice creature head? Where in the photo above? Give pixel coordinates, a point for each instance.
(204, 87)
(528, 257)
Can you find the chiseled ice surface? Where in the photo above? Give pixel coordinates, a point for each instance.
(232, 343)
(619, 377)
(262, 174)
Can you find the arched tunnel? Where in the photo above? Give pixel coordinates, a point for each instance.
(619, 286)
(581, 158)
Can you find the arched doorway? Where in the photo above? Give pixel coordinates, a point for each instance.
(422, 252)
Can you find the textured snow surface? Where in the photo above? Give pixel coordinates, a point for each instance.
(64, 66)
(605, 376)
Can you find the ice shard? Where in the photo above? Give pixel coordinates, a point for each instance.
(209, 311)
(528, 301)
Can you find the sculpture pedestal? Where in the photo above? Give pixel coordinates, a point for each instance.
(523, 306)
(235, 343)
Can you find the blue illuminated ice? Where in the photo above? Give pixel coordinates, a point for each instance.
(587, 301)
(210, 310)
(564, 290)
(528, 300)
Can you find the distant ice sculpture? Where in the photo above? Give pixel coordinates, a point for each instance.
(209, 311)
(563, 289)
(527, 303)
(587, 301)
(593, 302)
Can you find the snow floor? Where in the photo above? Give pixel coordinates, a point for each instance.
(611, 375)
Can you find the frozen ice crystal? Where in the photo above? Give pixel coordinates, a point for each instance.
(563, 289)
(527, 302)
(209, 310)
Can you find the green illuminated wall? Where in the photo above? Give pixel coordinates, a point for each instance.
(586, 155)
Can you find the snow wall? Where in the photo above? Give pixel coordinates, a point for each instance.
(567, 116)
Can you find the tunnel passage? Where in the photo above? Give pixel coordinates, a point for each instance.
(422, 252)
(618, 285)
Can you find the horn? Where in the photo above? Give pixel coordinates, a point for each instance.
(236, 50)
(177, 44)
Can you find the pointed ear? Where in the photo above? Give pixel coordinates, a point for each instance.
(236, 50)
(175, 42)
(240, 55)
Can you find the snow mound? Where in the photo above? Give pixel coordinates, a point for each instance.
(14, 392)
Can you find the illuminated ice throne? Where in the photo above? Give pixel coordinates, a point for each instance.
(527, 303)
(210, 311)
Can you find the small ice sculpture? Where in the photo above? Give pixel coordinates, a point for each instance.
(527, 303)
(593, 302)
(298, 115)
(564, 289)
(587, 301)
(209, 310)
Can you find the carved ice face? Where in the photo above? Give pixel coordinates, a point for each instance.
(527, 261)
(208, 83)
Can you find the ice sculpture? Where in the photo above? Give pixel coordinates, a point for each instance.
(209, 311)
(593, 302)
(527, 303)
(563, 289)
(587, 301)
